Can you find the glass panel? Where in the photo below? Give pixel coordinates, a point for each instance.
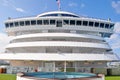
(85, 23)
(11, 24)
(21, 23)
(96, 24)
(46, 22)
(91, 23)
(27, 22)
(6, 25)
(72, 22)
(16, 24)
(78, 22)
(107, 26)
(66, 22)
(59, 23)
(102, 25)
(52, 21)
(111, 26)
(33, 22)
(39, 22)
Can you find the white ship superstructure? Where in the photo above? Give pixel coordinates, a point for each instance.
(59, 41)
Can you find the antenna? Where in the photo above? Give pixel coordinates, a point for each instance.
(59, 5)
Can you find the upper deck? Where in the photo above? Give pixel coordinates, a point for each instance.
(59, 21)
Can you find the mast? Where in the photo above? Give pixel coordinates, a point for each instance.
(59, 5)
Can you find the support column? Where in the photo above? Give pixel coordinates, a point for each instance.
(75, 66)
(65, 66)
(54, 66)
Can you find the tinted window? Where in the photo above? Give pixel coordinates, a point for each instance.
(33, 22)
(111, 26)
(78, 23)
(21, 23)
(85, 23)
(96, 24)
(52, 21)
(6, 25)
(16, 24)
(46, 22)
(11, 24)
(91, 23)
(72, 22)
(27, 22)
(107, 26)
(59, 23)
(39, 22)
(66, 22)
(102, 25)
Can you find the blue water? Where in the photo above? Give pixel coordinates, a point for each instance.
(59, 75)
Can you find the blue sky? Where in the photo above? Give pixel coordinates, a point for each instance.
(102, 9)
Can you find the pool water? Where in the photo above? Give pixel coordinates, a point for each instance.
(60, 75)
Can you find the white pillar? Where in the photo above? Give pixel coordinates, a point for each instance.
(54, 66)
(65, 66)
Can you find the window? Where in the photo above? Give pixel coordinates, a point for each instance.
(39, 22)
(21, 23)
(78, 22)
(72, 22)
(16, 24)
(91, 23)
(46, 22)
(6, 25)
(101, 25)
(85, 23)
(11, 24)
(111, 26)
(59, 23)
(33, 22)
(52, 22)
(66, 22)
(27, 22)
(107, 26)
(96, 24)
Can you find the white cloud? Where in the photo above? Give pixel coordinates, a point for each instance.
(114, 40)
(116, 6)
(20, 10)
(71, 4)
(4, 40)
(11, 4)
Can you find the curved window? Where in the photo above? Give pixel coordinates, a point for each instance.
(91, 23)
(16, 24)
(27, 22)
(52, 22)
(78, 22)
(21, 23)
(66, 22)
(107, 26)
(101, 25)
(11, 24)
(65, 15)
(72, 22)
(85, 23)
(39, 22)
(33, 22)
(6, 25)
(111, 26)
(96, 24)
(46, 22)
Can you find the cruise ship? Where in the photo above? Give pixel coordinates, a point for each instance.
(58, 41)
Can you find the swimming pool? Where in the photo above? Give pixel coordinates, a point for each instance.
(60, 75)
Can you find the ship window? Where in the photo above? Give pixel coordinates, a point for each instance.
(33, 22)
(39, 22)
(96, 24)
(27, 22)
(85, 23)
(59, 23)
(6, 25)
(111, 26)
(66, 22)
(102, 25)
(16, 24)
(91, 23)
(72, 22)
(78, 22)
(11, 24)
(107, 26)
(21, 23)
(46, 22)
(52, 21)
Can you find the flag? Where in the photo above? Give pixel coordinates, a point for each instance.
(58, 2)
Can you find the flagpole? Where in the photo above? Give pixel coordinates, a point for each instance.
(59, 5)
